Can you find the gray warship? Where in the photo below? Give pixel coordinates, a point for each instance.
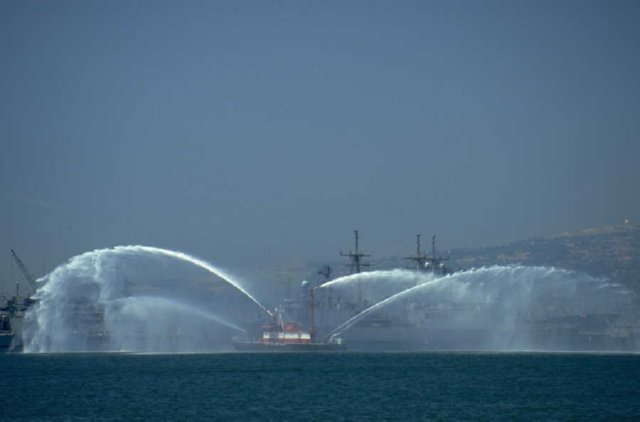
(436, 322)
(429, 322)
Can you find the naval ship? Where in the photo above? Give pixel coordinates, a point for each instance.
(384, 330)
(440, 323)
(408, 325)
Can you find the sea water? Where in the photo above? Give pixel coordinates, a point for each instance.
(332, 386)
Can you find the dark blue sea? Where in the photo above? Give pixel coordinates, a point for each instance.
(341, 386)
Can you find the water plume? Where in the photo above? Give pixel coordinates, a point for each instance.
(158, 324)
(397, 276)
(370, 287)
(87, 304)
(509, 307)
(196, 261)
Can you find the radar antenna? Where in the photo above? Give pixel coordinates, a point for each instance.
(326, 272)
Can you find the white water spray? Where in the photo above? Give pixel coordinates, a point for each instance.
(397, 276)
(196, 261)
(87, 305)
(512, 307)
(366, 288)
(147, 329)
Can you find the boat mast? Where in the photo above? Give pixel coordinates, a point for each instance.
(419, 258)
(356, 256)
(435, 261)
(356, 263)
(424, 262)
(312, 331)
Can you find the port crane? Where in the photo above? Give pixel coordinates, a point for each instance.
(13, 304)
(25, 271)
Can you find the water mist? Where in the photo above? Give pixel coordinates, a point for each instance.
(497, 308)
(91, 304)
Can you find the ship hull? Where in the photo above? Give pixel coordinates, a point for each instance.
(7, 343)
(250, 346)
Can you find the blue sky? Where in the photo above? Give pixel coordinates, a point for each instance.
(274, 128)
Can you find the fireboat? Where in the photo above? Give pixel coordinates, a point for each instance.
(281, 336)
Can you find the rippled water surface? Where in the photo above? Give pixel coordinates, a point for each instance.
(345, 386)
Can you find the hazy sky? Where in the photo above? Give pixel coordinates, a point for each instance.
(262, 133)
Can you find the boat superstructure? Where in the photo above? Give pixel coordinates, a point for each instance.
(281, 336)
(423, 262)
(11, 321)
(13, 311)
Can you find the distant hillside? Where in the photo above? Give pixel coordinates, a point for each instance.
(612, 252)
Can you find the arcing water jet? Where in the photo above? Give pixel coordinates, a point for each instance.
(512, 307)
(84, 306)
(196, 261)
(398, 276)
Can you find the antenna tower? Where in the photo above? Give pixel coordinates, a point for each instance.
(356, 263)
(326, 272)
(433, 262)
(420, 258)
(356, 256)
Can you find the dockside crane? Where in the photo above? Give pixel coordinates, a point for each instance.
(14, 304)
(25, 271)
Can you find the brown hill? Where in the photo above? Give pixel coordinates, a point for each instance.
(612, 252)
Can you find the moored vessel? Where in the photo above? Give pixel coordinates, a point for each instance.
(10, 327)
(6, 333)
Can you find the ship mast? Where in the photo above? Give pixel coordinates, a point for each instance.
(435, 262)
(356, 263)
(355, 257)
(424, 262)
(420, 259)
(312, 319)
